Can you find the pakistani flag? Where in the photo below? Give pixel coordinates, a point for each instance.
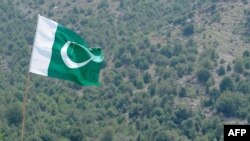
(61, 53)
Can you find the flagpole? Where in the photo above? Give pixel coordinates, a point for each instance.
(25, 94)
(25, 97)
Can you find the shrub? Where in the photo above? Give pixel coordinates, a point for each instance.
(141, 62)
(13, 115)
(229, 103)
(244, 87)
(227, 84)
(188, 30)
(203, 75)
(183, 92)
(75, 134)
(107, 135)
(246, 53)
(238, 66)
(221, 71)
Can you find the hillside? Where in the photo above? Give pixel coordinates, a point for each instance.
(175, 70)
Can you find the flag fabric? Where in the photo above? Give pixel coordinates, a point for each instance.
(61, 53)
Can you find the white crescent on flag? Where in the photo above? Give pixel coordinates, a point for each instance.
(68, 62)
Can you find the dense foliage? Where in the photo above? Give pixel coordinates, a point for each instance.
(167, 76)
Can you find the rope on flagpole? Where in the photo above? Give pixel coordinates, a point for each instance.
(25, 97)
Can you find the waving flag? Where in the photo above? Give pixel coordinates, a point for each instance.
(61, 53)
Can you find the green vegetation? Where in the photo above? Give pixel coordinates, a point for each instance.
(188, 30)
(227, 83)
(175, 70)
(203, 75)
(221, 70)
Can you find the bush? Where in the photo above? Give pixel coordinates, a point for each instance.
(118, 64)
(152, 89)
(207, 63)
(107, 135)
(229, 67)
(138, 83)
(214, 94)
(246, 53)
(181, 113)
(146, 77)
(75, 134)
(141, 62)
(221, 71)
(135, 110)
(247, 64)
(238, 66)
(227, 84)
(244, 87)
(166, 51)
(47, 136)
(103, 4)
(203, 75)
(183, 92)
(13, 115)
(188, 30)
(166, 136)
(229, 103)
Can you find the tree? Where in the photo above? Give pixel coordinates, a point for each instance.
(141, 62)
(146, 77)
(229, 103)
(214, 94)
(181, 113)
(221, 71)
(229, 67)
(135, 110)
(207, 63)
(244, 87)
(138, 83)
(203, 75)
(152, 89)
(247, 63)
(246, 53)
(212, 126)
(103, 4)
(75, 134)
(238, 66)
(107, 135)
(168, 135)
(188, 30)
(227, 83)
(190, 127)
(183, 92)
(47, 136)
(166, 51)
(13, 115)
(162, 136)
(157, 111)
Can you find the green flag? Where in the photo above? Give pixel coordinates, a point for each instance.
(61, 53)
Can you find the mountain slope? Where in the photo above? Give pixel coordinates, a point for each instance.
(173, 70)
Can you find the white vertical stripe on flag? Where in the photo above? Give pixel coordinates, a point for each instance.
(42, 48)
